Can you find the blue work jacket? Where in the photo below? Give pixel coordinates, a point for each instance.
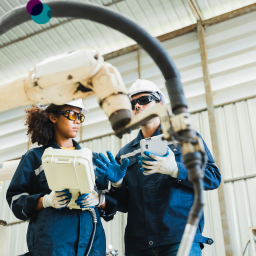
(158, 205)
(52, 231)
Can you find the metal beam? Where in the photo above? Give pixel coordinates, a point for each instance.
(16, 222)
(81, 132)
(230, 15)
(214, 136)
(162, 38)
(29, 142)
(240, 178)
(195, 9)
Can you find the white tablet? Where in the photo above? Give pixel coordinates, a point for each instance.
(69, 169)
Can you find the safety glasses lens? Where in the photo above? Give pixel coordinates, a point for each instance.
(144, 100)
(72, 115)
(81, 118)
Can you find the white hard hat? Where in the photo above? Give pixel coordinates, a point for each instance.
(75, 103)
(79, 104)
(141, 85)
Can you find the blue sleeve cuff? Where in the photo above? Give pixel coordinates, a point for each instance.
(30, 204)
(111, 208)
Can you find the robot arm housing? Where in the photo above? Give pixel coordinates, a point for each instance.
(71, 76)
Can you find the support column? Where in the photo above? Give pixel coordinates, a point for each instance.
(81, 133)
(29, 142)
(138, 56)
(214, 137)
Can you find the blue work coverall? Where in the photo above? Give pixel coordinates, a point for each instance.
(52, 231)
(158, 205)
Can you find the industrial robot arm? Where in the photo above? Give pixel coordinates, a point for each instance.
(71, 76)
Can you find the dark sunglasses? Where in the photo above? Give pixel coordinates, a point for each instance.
(143, 100)
(72, 115)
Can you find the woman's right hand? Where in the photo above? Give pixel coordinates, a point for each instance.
(111, 169)
(57, 199)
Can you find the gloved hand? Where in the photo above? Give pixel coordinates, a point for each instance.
(159, 164)
(111, 169)
(90, 200)
(57, 199)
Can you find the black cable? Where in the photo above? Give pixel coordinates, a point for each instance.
(249, 248)
(197, 207)
(118, 22)
(94, 220)
(246, 247)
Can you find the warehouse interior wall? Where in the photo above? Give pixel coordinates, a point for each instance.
(231, 47)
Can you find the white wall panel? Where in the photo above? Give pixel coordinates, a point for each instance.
(235, 126)
(17, 233)
(237, 145)
(231, 53)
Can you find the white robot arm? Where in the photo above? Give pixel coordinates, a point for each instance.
(71, 76)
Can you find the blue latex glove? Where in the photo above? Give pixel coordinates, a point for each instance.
(111, 169)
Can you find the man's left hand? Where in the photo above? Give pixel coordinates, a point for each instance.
(159, 164)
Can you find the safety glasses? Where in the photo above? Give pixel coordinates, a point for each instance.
(143, 100)
(72, 115)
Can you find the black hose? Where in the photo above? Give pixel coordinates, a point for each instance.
(246, 248)
(118, 22)
(194, 162)
(197, 207)
(94, 220)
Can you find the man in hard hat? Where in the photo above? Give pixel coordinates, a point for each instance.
(157, 200)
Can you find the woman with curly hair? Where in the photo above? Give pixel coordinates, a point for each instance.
(54, 229)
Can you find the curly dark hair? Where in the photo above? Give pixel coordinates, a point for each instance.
(40, 127)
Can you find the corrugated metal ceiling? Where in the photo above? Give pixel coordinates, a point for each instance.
(156, 16)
